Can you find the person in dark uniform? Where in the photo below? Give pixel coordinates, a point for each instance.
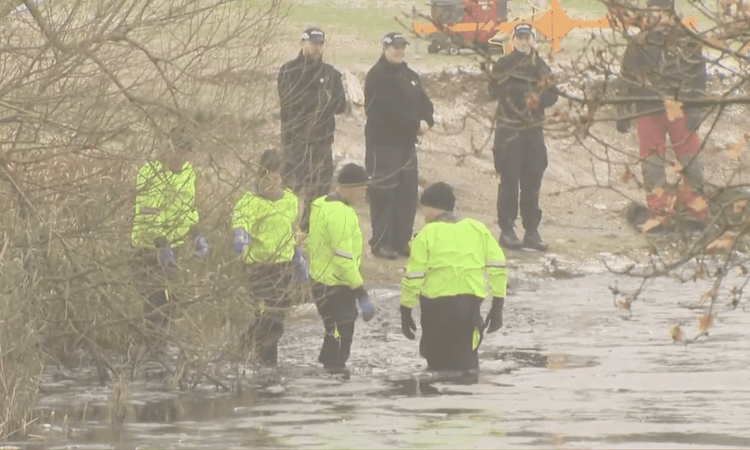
(663, 61)
(334, 243)
(398, 110)
(446, 274)
(520, 83)
(311, 93)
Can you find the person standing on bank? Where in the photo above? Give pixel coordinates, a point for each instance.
(521, 84)
(398, 111)
(334, 244)
(264, 223)
(311, 93)
(446, 274)
(664, 61)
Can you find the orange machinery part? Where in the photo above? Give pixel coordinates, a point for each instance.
(554, 23)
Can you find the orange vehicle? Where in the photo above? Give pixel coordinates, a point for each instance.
(455, 23)
(458, 22)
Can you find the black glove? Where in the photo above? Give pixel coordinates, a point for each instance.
(494, 319)
(623, 125)
(408, 327)
(693, 120)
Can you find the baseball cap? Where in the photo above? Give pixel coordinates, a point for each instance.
(523, 29)
(314, 34)
(394, 38)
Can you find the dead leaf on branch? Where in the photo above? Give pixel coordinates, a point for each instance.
(716, 41)
(675, 168)
(706, 321)
(627, 175)
(735, 151)
(675, 332)
(651, 224)
(725, 242)
(699, 205)
(709, 295)
(673, 109)
(739, 206)
(700, 274)
(624, 302)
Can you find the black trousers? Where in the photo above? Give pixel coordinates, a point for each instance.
(308, 171)
(152, 282)
(393, 205)
(448, 327)
(521, 159)
(337, 307)
(271, 293)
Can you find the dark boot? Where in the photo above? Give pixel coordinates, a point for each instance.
(405, 252)
(533, 241)
(509, 240)
(385, 252)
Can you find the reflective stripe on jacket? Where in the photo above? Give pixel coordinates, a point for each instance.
(334, 243)
(164, 205)
(451, 258)
(270, 224)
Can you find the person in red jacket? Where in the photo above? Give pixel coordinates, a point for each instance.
(664, 62)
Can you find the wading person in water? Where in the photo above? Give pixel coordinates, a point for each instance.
(264, 223)
(449, 260)
(334, 244)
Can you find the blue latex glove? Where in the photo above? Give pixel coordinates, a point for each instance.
(167, 257)
(368, 309)
(300, 260)
(201, 247)
(241, 239)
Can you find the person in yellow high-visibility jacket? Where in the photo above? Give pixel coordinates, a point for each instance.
(449, 261)
(165, 220)
(334, 244)
(264, 224)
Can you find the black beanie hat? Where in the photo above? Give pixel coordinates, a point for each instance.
(352, 174)
(440, 196)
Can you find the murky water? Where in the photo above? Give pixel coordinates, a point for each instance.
(567, 370)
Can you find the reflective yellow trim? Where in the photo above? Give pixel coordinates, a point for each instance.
(475, 339)
(343, 254)
(336, 334)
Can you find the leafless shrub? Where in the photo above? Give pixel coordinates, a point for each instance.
(88, 93)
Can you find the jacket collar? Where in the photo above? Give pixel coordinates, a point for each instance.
(305, 63)
(336, 197)
(446, 217)
(395, 67)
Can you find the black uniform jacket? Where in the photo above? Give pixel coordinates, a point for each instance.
(395, 104)
(310, 94)
(660, 62)
(514, 77)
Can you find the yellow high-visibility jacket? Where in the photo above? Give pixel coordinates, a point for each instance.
(334, 243)
(164, 205)
(450, 257)
(270, 224)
